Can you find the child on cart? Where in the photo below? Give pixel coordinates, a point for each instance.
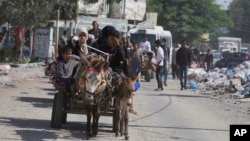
(65, 67)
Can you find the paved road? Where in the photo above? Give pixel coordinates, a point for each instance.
(171, 115)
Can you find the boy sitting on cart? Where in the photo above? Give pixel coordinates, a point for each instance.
(65, 67)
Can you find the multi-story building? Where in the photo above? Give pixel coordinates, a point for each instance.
(119, 9)
(224, 4)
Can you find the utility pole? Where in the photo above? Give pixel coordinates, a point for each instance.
(66, 6)
(124, 6)
(57, 29)
(76, 16)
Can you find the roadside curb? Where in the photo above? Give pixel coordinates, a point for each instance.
(28, 65)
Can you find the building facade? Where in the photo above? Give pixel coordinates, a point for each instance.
(224, 4)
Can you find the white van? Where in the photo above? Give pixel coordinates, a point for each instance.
(153, 34)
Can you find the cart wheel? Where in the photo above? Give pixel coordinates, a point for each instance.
(148, 75)
(152, 75)
(64, 118)
(57, 116)
(114, 121)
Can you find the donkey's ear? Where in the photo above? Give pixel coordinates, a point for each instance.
(136, 76)
(105, 65)
(122, 75)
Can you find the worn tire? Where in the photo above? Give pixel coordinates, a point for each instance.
(148, 75)
(152, 75)
(114, 121)
(57, 111)
(64, 118)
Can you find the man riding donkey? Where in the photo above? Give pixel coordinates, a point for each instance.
(110, 44)
(123, 86)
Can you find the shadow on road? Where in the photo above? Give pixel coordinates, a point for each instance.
(34, 129)
(183, 95)
(181, 128)
(178, 95)
(49, 89)
(38, 130)
(37, 102)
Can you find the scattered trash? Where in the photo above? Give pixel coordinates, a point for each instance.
(221, 81)
(10, 85)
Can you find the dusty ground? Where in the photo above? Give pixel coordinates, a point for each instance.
(27, 99)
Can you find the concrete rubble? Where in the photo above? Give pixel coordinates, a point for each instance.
(232, 81)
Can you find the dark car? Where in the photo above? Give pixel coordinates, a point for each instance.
(232, 60)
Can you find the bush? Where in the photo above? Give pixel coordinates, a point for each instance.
(11, 55)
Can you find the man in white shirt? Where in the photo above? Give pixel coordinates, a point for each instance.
(159, 62)
(145, 46)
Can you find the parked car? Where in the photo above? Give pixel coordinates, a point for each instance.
(232, 59)
(216, 57)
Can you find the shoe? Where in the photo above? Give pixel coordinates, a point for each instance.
(181, 88)
(159, 89)
(185, 87)
(165, 83)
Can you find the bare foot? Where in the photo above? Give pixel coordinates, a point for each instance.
(132, 110)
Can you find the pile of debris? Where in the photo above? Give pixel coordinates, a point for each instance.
(220, 81)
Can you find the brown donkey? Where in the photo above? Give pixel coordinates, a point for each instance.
(92, 83)
(123, 93)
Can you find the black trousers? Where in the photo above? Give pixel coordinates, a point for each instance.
(159, 76)
(175, 71)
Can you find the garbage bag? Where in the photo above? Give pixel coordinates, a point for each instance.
(137, 85)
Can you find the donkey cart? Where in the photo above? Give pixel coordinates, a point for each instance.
(147, 69)
(63, 105)
(97, 92)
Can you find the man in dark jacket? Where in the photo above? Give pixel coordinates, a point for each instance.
(110, 43)
(209, 60)
(183, 60)
(95, 33)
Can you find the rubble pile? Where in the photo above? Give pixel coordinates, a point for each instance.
(232, 81)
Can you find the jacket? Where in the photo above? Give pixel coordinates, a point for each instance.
(183, 57)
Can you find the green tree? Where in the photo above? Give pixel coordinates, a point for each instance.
(24, 14)
(189, 19)
(239, 11)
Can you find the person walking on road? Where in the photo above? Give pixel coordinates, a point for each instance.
(165, 61)
(63, 39)
(145, 47)
(183, 60)
(135, 60)
(159, 62)
(175, 69)
(209, 60)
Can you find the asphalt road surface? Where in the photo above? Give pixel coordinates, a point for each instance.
(169, 115)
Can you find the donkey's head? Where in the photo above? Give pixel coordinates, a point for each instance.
(92, 81)
(126, 85)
